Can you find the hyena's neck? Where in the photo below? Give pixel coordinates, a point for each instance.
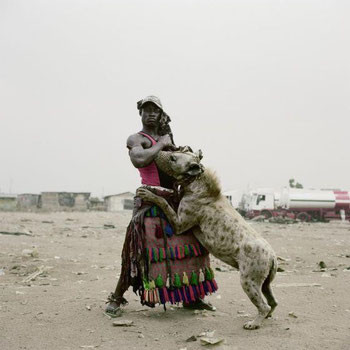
(205, 185)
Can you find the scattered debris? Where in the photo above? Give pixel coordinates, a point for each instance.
(211, 341)
(141, 336)
(108, 226)
(30, 253)
(209, 334)
(123, 323)
(2, 272)
(322, 265)
(88, 307)
(204, 313)
(191, 338)
(292, 314)
(79, 273)
(47, 222)
(282, 220)
(15, 233)
(280, 269)
(34, 275)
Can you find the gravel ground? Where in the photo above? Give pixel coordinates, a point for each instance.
(78, 259)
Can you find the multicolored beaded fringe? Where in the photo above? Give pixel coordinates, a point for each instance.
(177, 252)
(156, 291)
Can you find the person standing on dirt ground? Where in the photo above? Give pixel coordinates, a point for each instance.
(160, 266)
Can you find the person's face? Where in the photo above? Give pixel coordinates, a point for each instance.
(150, 114)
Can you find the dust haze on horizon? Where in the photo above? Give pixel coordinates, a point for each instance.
(262, 87)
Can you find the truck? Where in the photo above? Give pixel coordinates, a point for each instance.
(301, 204)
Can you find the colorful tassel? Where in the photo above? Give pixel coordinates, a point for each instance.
(159, 281)
(177, 281)
(201, 277)
(154, 255)
(181, 252)
(187, 252)
(168, 281)
(161, 255)
(158, 232)
(185, 298)
(185, 279)
(208, 275)
(168, 230)
(165, 295)
(195, 250)
(172, 297)
(172, 254)
(152, 285)
(192, 296)
(157, 296)
(210, 289)
(177, 254)
(201, 290)
(194, 279)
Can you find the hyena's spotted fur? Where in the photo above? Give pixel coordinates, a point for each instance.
(219, 228)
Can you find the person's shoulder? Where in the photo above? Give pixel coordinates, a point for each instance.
(134, 140)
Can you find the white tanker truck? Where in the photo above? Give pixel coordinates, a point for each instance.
(302, 204)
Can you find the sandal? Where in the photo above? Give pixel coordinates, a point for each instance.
(113, 308)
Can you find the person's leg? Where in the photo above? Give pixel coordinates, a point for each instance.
(116, 299)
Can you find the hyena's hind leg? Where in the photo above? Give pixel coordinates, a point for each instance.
(253, 290)
(267, 290)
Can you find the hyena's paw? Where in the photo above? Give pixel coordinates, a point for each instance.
(251, 325)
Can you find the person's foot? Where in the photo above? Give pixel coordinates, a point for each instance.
(199, 304)
(113, 308)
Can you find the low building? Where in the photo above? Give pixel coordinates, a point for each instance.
(96, 204)
(8, 202)
(121, 201)
(64, 201)
(28, 202)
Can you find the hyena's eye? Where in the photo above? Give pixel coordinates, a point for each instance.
(173, 158)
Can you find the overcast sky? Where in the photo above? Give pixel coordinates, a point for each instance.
(262, 87)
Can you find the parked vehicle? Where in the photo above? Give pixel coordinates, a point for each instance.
(302, 204)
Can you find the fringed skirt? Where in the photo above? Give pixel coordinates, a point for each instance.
(178, 265)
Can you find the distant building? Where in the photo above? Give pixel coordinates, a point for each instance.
(121, 201)
(96, 204)
(8, 202)
(28, 202)
(64, 201)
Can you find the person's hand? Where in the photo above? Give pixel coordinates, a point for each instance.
(165, 141)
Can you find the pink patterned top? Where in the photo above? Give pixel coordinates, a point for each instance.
(149, 174)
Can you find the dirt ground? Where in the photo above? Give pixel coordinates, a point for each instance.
(79, 257)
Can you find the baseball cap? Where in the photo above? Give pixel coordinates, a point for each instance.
(152, 99)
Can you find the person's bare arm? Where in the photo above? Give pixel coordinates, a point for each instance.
(140, 156)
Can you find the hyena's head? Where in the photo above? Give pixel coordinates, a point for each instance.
(180, 164)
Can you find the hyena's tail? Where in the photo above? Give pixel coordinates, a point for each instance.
(266, 286)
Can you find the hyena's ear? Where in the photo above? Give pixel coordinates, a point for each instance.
(199, 154)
